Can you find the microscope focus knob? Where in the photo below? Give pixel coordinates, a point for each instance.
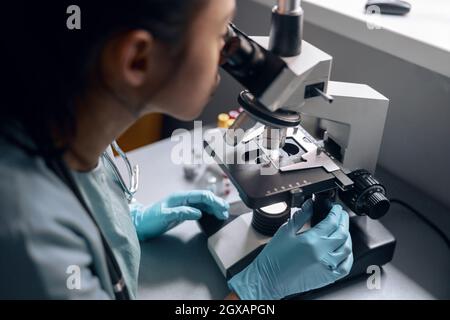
(368, 196)
(378, 205)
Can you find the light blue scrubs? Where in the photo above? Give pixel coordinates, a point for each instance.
(49, 246)
(111, 210)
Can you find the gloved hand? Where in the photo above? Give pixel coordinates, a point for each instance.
(293, 263)
(162, 216)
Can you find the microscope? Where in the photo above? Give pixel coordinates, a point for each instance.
(301, 136)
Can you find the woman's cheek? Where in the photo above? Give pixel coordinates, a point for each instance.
(204, 82)
(191, 88)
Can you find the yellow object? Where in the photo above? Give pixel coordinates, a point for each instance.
(145, 131)
(230, 123)
(222, 120)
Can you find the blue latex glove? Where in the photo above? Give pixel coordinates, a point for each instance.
(293, 263)
(162, 216)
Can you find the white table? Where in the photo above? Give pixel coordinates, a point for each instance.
(422, 37)
(179, 266)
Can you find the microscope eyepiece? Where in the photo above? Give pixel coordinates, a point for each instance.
(250, 64)
(240, 54)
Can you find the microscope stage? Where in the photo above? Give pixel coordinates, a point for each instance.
(261, 181)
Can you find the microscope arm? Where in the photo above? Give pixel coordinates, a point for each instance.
(355, 121)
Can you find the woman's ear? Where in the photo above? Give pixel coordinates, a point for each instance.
(136, 51)
(126, 59)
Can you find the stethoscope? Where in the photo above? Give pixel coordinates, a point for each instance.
(133, 172)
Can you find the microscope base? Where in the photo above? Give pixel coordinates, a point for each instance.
(235, 244)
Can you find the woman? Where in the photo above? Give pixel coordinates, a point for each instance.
(71, 93)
